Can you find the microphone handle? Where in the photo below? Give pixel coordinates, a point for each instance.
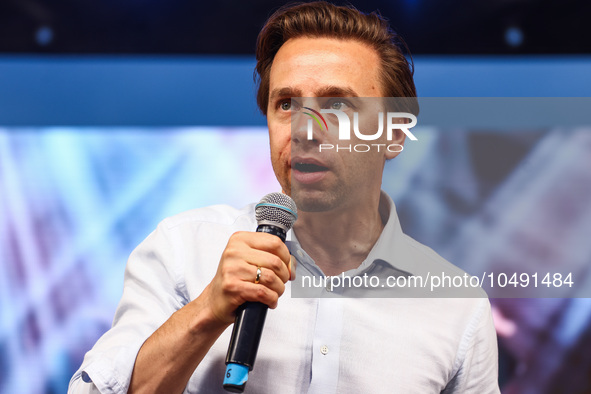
(246, 334)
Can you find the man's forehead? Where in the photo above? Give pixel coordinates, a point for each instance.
(324, 67)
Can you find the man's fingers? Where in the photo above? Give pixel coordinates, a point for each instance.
(270, 280)
(259, 293)
(292, 267)
(265, 242)
(237, 273)
(247, 272)
(269, 261)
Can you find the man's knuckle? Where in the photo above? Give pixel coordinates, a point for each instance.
(228, 253)
(275, 242)
(260, 292)
(275, 264)
(239, 234)
(229, 287)
(226, 271)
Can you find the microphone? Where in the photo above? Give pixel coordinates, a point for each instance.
(275, 214)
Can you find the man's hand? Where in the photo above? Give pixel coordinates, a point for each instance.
(168, 358)
(234, 284)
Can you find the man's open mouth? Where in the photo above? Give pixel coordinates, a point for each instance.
(309, 167)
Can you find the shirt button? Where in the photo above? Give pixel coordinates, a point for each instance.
(300, 254)
(324, 349)
(86, 378)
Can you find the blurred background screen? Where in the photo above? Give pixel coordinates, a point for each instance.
(116, 115)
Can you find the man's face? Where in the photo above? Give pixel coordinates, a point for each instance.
(321, 68)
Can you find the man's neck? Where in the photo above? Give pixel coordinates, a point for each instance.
(340, 240)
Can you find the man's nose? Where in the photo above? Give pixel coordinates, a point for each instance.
(305, 130)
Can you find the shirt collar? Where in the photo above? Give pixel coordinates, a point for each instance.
(390, 248)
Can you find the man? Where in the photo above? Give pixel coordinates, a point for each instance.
(184, 283)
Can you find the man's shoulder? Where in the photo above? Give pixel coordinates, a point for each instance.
(429, 264)
(428, 257)
(223, 215)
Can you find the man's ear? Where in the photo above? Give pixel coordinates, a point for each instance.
(398, 138)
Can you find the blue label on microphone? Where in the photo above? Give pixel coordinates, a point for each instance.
(236, 374)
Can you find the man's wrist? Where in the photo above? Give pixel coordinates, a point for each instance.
(203, 319)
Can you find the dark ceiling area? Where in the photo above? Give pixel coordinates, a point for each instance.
(230, 27)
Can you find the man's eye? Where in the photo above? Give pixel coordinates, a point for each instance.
(285, 106)
(338, 105)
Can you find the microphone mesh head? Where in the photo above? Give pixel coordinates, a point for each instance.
(278, 209)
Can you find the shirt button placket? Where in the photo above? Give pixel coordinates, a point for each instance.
(327, 339)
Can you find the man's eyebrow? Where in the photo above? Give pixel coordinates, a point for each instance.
(285, 92)
(335, 91)
(325, 91)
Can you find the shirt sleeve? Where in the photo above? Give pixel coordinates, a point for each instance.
(79, 386)
(477, 359)
(151, 293)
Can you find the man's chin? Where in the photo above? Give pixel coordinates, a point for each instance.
(313, 200)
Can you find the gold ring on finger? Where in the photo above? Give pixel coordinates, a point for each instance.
(258, 277)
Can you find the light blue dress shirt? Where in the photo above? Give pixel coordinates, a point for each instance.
(317, 345)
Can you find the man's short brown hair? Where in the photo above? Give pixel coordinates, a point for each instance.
(323, 19)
